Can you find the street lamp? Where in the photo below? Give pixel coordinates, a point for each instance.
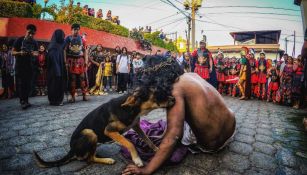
(45, 1)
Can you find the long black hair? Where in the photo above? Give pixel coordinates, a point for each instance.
(161, 77)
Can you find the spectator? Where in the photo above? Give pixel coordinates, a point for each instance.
(297, 82)
(109, 15)
(7, 71)
(85, 10)
(107, 74)
(99, 14)
(130, 80)
(137, 65)
(286, 82)
(41, 79)
(24, 49)
(113, 59)
(122, 69)
(78, 4)
(96, 58)
(92, 12)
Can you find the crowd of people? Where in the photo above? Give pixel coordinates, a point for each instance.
(86, 10)
(29, 69)
(279, 81)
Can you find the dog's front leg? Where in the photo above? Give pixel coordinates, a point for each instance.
(141, 133)
(111, 132)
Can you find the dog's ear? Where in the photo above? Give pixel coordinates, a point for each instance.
(131, 101)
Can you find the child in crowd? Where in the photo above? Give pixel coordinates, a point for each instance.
(137, 65)
(42, 71)
(107, 74)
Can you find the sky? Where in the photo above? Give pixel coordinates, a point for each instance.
(216, 18)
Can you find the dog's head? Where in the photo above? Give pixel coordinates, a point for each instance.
(148, 99)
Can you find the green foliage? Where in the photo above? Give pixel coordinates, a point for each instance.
(157, 41)
(70, 15)
(15, 9)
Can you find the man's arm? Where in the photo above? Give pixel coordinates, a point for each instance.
(173, 135)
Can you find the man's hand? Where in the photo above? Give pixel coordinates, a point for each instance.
(34, 53)
(22, 53)
(133, 169)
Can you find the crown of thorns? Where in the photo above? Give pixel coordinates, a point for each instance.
(156, 68)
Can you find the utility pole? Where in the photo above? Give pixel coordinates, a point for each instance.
(193, 5)
(193, 23)
(189, 33)
(293, 52)
(286, 44)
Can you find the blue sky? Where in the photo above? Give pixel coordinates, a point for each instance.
(134, 13)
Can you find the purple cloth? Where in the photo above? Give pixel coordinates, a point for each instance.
(154, 132)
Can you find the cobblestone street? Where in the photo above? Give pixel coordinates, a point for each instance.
(269, 140)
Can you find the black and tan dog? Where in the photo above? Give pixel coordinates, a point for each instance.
(109, 121)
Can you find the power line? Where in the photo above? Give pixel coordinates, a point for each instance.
(261, 13)
(281, 19)
(261, 7)
(121, 4)
(159, 20)
(216, 23)
(179, 2)
(180, 10)
(174, 21)
(164, 22)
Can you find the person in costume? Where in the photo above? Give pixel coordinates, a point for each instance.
(96, 68)
(273, 84)
(56, 72)
(42, 72)
(254, 73)
(233, 76)
(286, 83)
(262, 75)
(76, 59)
(297, 82)
(244, 75)
(204, 64)
(220, 71)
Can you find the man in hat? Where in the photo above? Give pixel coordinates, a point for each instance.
(244, 75)
(262, 75)
(76, 60)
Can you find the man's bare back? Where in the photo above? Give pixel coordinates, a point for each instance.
(205, 111)
(203, 108)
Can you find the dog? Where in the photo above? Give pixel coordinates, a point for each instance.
(108, 122)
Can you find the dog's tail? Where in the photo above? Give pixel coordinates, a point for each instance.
(45, 164)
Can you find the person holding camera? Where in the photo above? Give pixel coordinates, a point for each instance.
(24, 49)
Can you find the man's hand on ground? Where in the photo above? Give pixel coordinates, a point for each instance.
(133, 169)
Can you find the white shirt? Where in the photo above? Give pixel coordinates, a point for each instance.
(123, 61)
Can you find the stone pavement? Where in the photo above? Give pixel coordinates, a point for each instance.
(269, 140)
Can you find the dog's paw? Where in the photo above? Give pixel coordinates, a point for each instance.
(109, 161)
(138, 162)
